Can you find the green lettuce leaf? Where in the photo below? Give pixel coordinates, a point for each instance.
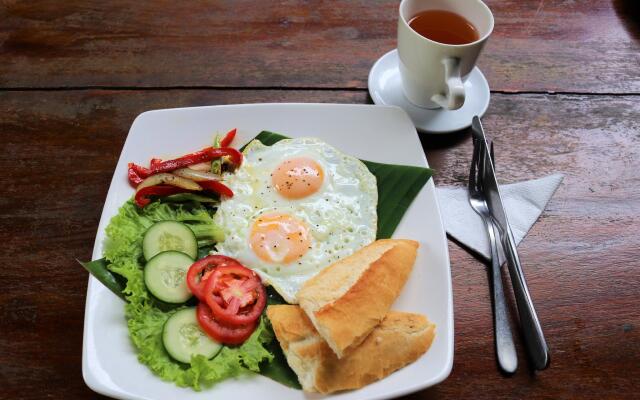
(146, 334)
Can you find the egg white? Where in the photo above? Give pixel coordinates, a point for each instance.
(341, 216)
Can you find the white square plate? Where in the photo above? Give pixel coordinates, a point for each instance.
(376, 133)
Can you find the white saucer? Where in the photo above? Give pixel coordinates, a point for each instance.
(385, 88)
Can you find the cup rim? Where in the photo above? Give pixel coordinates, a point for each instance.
(479, 40)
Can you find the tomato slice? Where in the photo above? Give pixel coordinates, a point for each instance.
(216, 187)
(219, 332)
(235, 295)
(202, 269)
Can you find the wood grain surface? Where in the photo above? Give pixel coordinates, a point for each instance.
(60, 149)
(537, 45)
(566, 82)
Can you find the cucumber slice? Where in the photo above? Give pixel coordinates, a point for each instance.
(166, 276)
(169, 235)
(182, 337)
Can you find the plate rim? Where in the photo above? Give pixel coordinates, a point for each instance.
(95, 384)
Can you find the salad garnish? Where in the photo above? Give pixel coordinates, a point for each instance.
(186, 174)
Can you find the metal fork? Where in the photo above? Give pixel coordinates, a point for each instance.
(505, 348)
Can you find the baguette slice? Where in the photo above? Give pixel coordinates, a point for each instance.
(346, 300)
(399, 340)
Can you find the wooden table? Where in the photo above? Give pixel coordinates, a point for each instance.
(565, 79)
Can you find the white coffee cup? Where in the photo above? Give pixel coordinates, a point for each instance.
(433, 73)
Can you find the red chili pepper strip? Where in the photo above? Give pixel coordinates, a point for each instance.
(216, 187)
(228, 138)
(207, 154)
(134, 178)
(234, 155)
(143, 195)
(140, 170)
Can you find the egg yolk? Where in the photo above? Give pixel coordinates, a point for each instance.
(279, 238)
(296, 178)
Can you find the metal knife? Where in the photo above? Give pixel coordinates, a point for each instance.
(532, 331)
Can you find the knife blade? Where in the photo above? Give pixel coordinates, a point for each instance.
(532, 331)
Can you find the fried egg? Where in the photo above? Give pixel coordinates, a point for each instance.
(298, 206)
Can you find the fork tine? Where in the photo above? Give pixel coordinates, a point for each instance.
(482, 163)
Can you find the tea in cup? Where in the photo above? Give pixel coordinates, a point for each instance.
(439, 42)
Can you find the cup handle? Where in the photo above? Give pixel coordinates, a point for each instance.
(454, 96)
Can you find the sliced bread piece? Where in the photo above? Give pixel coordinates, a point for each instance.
(400, 339)
(346, 300)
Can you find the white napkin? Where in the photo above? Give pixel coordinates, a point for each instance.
(523, 202)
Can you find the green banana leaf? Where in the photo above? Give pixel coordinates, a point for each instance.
(278, 369)
(98, 268)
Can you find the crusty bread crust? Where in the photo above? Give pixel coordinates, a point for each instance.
(346, 300)
(400, 339)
